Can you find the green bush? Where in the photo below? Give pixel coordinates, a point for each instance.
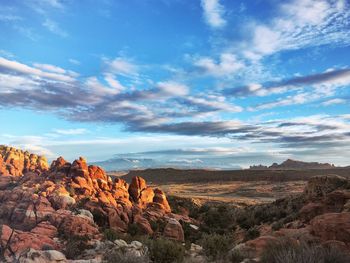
(135, 230)
(216, 246)
(252, 233)
(110, 234)
(218, 219)
(162, 250)
(191, 235)
(277, 225)
(289, 251)
(158, 226)
(75, 246)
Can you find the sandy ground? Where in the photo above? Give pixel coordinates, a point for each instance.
(235, 192)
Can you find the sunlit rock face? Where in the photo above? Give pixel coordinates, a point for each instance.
(43, 204)
(16, 162)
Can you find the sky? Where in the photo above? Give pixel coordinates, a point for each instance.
(234, 82)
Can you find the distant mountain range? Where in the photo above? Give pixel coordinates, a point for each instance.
(126, 163)
(290, 164)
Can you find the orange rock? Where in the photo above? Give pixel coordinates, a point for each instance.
(20, 241)
(45, 229)
(160, 198)
(143, 224)
(173, 230)
(137, 185)
(97, 172)
(118, 220)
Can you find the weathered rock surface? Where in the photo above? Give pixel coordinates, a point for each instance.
(332, 226)
(17, 162)
(46, 206)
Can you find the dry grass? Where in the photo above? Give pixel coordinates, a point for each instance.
(237, 192)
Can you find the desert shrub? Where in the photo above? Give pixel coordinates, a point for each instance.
(99, 218)
(236, 257)
(82, 202)
(110, 234)
(218, 219)
(246, 220)
(252, 233)
(135, 230)
(117, 256)
(191, 235)
(75, 246)
(216, 246)
(158, 226)
(277, 225)
(289, 251)
(162, 250)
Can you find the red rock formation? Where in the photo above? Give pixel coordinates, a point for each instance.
(160, 198)
(74, 199)
(16, 162)
(332, 226)
(173, 230)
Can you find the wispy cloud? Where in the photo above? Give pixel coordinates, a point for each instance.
(53, 27)
(336, 101)
(323, 82)
(213, 13)
(77, 131)
(301, 23)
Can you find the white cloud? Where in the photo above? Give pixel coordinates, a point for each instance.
(336, 101)
(98, 88)
(172, 88)
(55, 28)
(22, 68)
(113, 82)
(228, 64)
(213, 12)
(122, 66)
(74, 61)
(301, 23)
(77, 131)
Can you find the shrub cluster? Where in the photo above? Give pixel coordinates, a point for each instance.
(163, 250)
(216, 246)
(289, 251)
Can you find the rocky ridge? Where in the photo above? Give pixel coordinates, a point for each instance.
(16, 162)
(43, 206)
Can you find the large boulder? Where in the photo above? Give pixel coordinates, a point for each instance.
(173, 230)
(160, 198)
(332, 226)
(20, 241)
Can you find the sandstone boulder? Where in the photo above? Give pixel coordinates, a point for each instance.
(332, 226)
(173, 230)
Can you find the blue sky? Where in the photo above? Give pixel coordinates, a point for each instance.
(241, 82)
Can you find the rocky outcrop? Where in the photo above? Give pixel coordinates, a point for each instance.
(299, 165)
(332, 226)
(46, 206)
(173, 230)
(319, 186)
(17, 162)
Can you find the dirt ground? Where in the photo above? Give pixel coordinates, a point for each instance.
(237, 192)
